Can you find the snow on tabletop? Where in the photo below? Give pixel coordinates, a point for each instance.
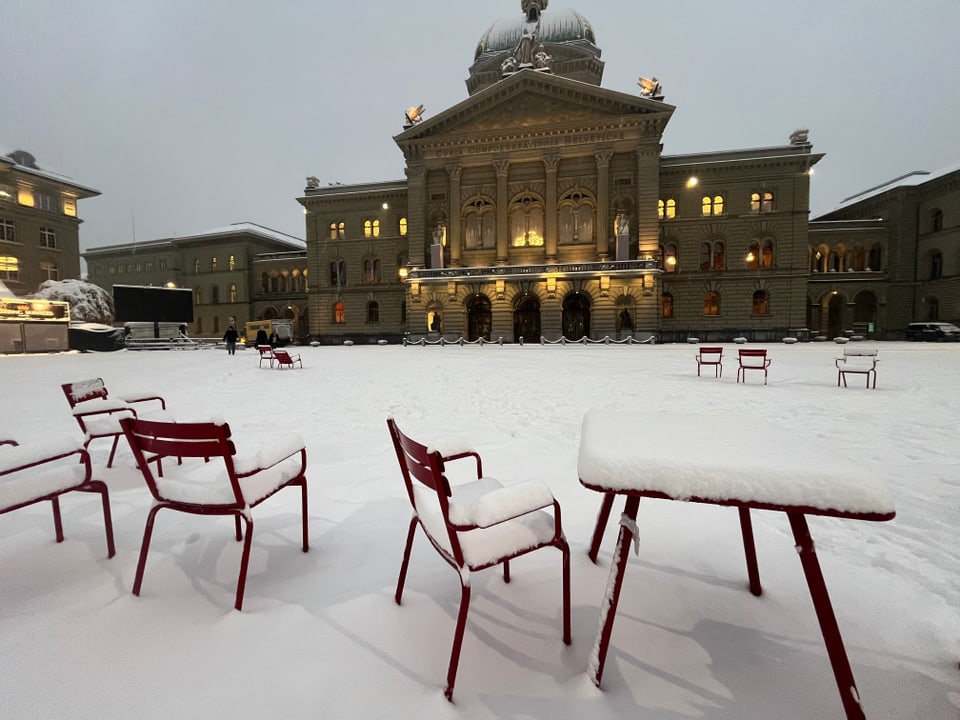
(723, 458)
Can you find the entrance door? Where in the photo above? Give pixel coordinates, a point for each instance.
(576, 316)
(479, 318)
(526, 319)
(835, 316)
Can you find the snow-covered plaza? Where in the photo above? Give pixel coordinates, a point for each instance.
(320, 635)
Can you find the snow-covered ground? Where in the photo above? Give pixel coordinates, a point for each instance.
(320, 635)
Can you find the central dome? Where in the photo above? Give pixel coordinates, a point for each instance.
(565, 36)
(556, 26)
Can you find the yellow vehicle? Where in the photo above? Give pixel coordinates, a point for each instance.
(284, 330)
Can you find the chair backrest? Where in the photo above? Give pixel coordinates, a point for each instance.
(152, 440)
(265, 350)
(424, 467)
(858, 352)
(84, 390)
(283, 356)
(708, 353)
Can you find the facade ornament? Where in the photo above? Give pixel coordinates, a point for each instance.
(799, 137)
(529, 53)
(502, 167)
(650, 88)
(413, 116)
(313, 182)
(603, 158)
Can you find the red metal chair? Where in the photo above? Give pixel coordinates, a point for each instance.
(266, 353)
(212, 488)
(29, 476)
(475, 525)
(285, 359)
(98, 414)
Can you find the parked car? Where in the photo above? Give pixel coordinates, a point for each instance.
(933, 332)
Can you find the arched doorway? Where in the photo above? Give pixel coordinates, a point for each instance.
(835, 315)
(526, 319)
(576, 316)
(864, 311)
(479, 318)
(626, 316)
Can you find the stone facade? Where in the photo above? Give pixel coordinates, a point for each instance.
(39, 224)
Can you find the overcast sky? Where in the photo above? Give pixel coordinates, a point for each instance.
(192, 114)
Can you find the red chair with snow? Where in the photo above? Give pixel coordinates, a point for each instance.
(232, 486)
(30, 475)
(475, 525)
(285, 360)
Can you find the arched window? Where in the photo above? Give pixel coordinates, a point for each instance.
(196, 266)
(858, 258)
(373, 312)
(936, 265)
(711, 303)
(761, 303)
(338, 314)
(403, 227)
(760, 255)
(666, 305)
(526, 222)
(575, 211)
(197, 296)
(306, 280)
(233, 293)
(761, 202)
(876, 256)
(766, 254)
(371, 271)
(371, 228)
(667, 209)
(712, 256)
(936, 220)
(712, 205)
(213, 264)
(336, 231)
(233, 263)
(480, 225)
(338, 273)
(670, 257)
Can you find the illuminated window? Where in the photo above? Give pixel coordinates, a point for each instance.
(761, 303)
(760, 255)
(371, 228)
(233, 262)
(712, 205)
(373, 312)
(338, 273)
(371, 271)
(213, 264)
(48, 238)
(197, 296)
(49, 271)
(8, 231)
(338, 314)
(6, 192)
(403, 227)
(666, 305)
(9, 268)
(233, 293)
(306, 280)
(526, 222)
(25, 197)
(711, 303)
(336, 230)
(70, 206)
(667, 209)
(761, 202)
(575, 218)
(670, 258)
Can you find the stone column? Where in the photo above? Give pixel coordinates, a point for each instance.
(503, 217)
(550, 164)
(416, 196)
(603, 203)
(453, 221)
(648, 194)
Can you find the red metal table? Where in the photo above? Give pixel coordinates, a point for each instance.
(731, 461)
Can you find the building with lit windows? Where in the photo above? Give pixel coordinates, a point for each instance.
(39, 224)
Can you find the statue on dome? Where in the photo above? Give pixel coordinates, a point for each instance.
(529, 52)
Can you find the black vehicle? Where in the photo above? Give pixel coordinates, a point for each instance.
(933, 332)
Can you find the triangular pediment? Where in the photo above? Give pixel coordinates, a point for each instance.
(532, 101)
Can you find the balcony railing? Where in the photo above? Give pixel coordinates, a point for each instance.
(627, 267)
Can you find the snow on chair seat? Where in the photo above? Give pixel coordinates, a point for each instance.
(211, 480)
(33, 474)
(266, 353)
(475, 525)
(858, 362)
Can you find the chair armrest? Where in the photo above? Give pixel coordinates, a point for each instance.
(500, 505)
(22, 457)
(275, 453)
(9, 442)
(466, 454)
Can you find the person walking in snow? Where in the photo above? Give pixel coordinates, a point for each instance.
(230, 337)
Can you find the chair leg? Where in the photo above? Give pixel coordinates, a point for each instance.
(242, 581)
(100, 487)
(406, 560)
(237, 531)
(506, 571)
(457, 641)
(565, 549)
(828, 621)
(303, 498)
(144, 548)
(113, 450)
(750, 551)
(57, 519)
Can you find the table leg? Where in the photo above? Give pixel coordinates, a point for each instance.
(828, 621)
(750, 550)
(611, 596)
(602, 518)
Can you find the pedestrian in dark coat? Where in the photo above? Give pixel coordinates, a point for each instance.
(230, 337)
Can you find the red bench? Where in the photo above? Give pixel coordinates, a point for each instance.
(752, 360)
(710, 356)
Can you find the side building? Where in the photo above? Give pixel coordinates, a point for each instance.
(39, 224)
(238, 273)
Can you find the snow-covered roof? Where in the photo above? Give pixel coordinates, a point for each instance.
(252, 229)
(911, 179)
(48, 174)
